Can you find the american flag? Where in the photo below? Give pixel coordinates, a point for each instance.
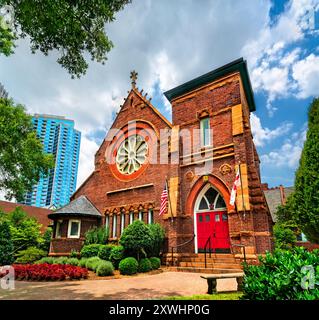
(234, 189)
(164, 198)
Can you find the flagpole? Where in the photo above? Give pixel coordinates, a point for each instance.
(242, 190)
(169, 198)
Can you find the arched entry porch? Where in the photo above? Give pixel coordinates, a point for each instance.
(208, 203)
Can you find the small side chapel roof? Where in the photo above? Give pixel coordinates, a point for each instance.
(239, 65)
(81, 206)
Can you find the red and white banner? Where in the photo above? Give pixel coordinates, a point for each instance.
(234, 189)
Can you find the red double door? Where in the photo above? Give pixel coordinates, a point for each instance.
(214, 225)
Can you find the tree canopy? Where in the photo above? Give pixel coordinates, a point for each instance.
(304, 202)
(22, 160)
(75, 28)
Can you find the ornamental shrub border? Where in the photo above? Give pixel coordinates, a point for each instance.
(49, 272)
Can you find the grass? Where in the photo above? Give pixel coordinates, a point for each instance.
(215, 296)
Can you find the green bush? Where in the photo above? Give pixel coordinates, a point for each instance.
(128, 266)
(61, 260)
(280, 276)
(30, 255)
(105, 251)
(45, 243)
(137, 239)
(144, 265)
(91, 263)
(155, 262)
(48, 260)
(285, 237)
(91, 250)
(75, 254)
(6, 245)
(158, 235)
(104, 268)
(116, 255)
(73, 261)
(97, 235)
(82, 262)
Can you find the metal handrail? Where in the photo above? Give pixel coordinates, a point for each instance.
(241, 246)
(181, 245)
(210, 249)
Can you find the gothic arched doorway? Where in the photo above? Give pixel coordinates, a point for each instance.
(211, 221)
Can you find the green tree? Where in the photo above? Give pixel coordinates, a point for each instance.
(25, 231)
(158, 234)
(304, 202)
(136, 238)
(73, 28)
(22, 160)
(6, 245)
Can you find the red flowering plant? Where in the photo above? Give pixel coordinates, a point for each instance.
(49, 272)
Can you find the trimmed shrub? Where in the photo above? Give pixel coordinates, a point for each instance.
(82, 262)
(91, 250)
(116, 255)
(104, 268)
(155, 262)
(61, 260)
(73, 261)
(144, 265)
(48, 260)
(128, 266)
(136, 239)
(105, 251)
(91, 263)
(281, 276)
(30, 255)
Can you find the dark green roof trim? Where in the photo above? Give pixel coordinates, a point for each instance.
(239, 65)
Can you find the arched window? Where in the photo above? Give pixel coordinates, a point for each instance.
(210, 199)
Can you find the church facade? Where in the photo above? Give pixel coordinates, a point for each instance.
(197, 156)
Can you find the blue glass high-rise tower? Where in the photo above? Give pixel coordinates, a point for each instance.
(60, 139)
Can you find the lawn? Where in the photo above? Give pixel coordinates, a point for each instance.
(215, 296)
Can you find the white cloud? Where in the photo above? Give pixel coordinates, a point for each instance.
(86, 164)
(264, 135)
(289, 153)
(272, 54)
(306, 74)
(165, 42)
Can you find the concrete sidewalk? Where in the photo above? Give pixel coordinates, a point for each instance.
(135, 288)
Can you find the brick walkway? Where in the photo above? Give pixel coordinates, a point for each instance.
(142, 287)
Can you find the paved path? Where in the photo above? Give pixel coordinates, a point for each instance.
(140, 288)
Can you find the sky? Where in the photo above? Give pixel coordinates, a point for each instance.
(170, 42)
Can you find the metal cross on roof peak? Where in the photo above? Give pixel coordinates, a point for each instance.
(133, 77)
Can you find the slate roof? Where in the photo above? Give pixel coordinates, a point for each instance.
(81, 206)
(273, 199)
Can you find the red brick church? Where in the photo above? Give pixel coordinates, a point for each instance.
(198, 154)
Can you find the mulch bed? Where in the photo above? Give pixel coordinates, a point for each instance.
(117, 275)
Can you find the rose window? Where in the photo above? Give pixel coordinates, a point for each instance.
(131, 154)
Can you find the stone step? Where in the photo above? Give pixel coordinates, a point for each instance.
(215, 255)
(212, 259)
(204, 270)
(210, 265)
